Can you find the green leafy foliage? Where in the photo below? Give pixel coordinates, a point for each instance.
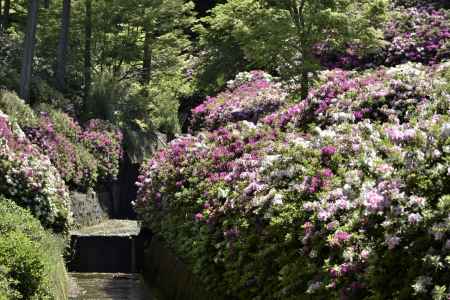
(239, 35)
(16, 108)
(9, 61)
(281, 35)
(30, 258)
(139, 59)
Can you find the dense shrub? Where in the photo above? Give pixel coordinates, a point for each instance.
(30, 258)
(249, 97)
(400, 92)
(17, 110)
(58, 136)
(328, 199)
(83, 156)
(104, 141)
(76, 165)
(61, 122)
(29, 178)
(419, 35)
(416, 34)
(6, 291)
(23, 257)
(94, 151)
(419, 3)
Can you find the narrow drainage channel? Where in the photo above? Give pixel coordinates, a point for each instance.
(105, 261)
(102, 286)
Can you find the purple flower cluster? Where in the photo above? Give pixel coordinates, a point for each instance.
(29, 178)
(386, 94)
(369, 208)
(249, 97)
(83, 156)
(76, 166)
(419, 35)
(231, 154)
(421, 3)
(104, 141)
(415, 34)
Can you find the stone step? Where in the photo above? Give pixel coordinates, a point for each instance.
(110, 247)
(108, 286)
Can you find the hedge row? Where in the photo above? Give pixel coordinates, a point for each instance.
(327, 199)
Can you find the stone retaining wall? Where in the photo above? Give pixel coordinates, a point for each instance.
(170, 275)
(103, 254)
(90, 208)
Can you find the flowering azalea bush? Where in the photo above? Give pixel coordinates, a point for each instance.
(83, 156)
(418, 3)
(249, 97)
(75, 164)
(61, 122)
(415, 34)
(330, 198)
(387, 93)
(371, 201)
(30, 179)
(104, 141)
(201, 172)
(419, 35)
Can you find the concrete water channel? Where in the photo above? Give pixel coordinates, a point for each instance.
(103, 286)
(105, 263)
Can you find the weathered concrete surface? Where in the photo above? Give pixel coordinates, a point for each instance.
(100, 286)
(110, 228)
(163, 269)
(90, 208)
(109, 247)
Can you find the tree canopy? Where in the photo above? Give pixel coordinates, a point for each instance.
(141, 63)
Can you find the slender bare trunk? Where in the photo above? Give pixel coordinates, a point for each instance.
(5, 17)
(28, 52)
(304, 84)
(147, 59)
(306, 67)
(87, 52)
(1, 15)
(62, 46)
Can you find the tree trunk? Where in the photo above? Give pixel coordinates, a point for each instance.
(28, 49)
(87, 53)
(62, 46)
(304, 84)
(5, 16)
(307, 66)
(1, 15)
(147, 60)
